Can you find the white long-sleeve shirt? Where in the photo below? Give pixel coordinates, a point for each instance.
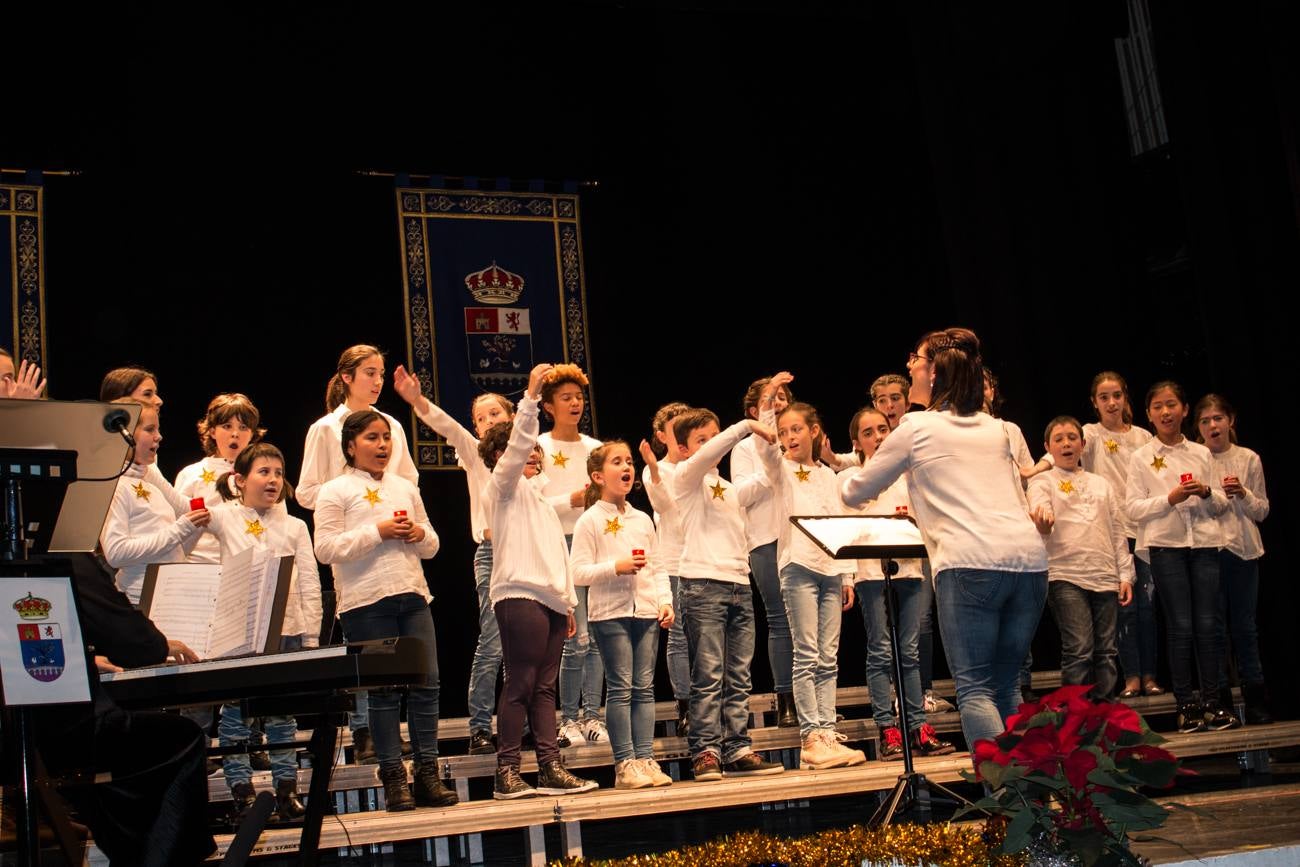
(1240, 532)
(667, 519)
(322, 456)
(467, 458)
(1108, 454)
(1087, 545)
(1154, 471)
(200, 480)
(235, 528)
(604, 535)
(762, 523)
(141, 528)
(366, 567)
(530, 559)
(565, 465)
(801, 489)
(887, 503)
(713, 531)
(965, 490)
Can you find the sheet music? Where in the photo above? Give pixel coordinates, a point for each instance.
(183, 602)
(234, 619)
(266, 572)
(839, 532)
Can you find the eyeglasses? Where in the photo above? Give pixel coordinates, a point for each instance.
(913, 357)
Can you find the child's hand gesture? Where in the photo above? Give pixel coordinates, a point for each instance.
(1232, 487)
(651, 462)
(666, 617)
(199, 517)
(397, 527)
(1189, 488)
(27, 385)
(578, 498)
(778, 381)
(535, 379)
(1043, 519)
(407, 386)
(827, 455)
(630, 565)
(1125, 593)
(763, 431)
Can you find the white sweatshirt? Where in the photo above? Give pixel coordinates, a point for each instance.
(1240, 532)
(667, 519)
(1087, 545)
(1108, 454)
(141, 528)
(322, 456)
(603, 535)
(1154, 470)
(565, 465)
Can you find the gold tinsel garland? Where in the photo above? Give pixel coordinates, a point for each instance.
(920, 845)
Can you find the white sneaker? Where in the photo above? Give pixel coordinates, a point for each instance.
(835, 741)
(656, 773)
(630, 774)
(934, 703)
(816, 754)
(594, 731)
(570, 735)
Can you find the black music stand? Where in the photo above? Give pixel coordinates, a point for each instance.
(864, 537)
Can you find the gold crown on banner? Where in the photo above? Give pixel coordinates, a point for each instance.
(494, 285)
(33, 607)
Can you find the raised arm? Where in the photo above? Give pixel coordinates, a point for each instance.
(456, 435)
(509, 468)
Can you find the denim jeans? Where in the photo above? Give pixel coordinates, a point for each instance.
(1239, 580)
(911, 595)
(780, 649)
(987, 618)
(232, 729)
(581, 673)
(406, 614)
(1187, 582)
(925, 628)
(628, 646)
(813, 607)
(1137, 624)
(720, 630)
(487, 653)
(678, 654)
(1086, 620)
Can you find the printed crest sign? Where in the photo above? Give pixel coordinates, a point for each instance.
(42, 656)
(42, 649)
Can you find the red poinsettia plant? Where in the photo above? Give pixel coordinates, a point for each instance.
(1066, 775)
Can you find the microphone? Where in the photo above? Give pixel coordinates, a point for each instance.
(115, 421)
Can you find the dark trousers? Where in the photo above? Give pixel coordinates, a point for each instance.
(1187, 584)
(532, 640)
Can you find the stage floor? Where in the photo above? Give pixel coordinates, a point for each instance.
(1236, 822)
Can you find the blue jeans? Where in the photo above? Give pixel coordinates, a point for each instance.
(1239, 581)
(406, 614)
(629, 645)
(581, 674)
(780, 650)
(814, 606)
(1137, 624)
(1187, 582)
(232, 729)
(678, 654)
(925, 628)
(487, 653)
(720, 630)
(987, 618)
(911, 595)
(1086, 620)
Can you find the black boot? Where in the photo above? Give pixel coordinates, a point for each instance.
(683, 718)
(1256, 700)
(363, 748)
(243, 795)
(397, 794)
(429, 790)
(287, 805)
(786, 715)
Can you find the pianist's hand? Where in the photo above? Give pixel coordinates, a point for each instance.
(103, 665)
(180, 652)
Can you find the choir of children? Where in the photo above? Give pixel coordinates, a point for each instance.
(575, 585)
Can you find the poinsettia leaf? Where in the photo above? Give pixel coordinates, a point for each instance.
(1108, 779)
(1042, 718)
(1151, 772)
(1018, 831)
(1040, 779)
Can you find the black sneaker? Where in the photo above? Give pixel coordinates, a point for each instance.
(705, 767)
(429, 790)
(926, 743)
(1217, 719)
(481, 743)
(1191, 718)
(751, 765)
(509, 785)
(242, 795)
(554, 779)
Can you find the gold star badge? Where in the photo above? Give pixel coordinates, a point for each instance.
(1158, 464)
(1066, 486)
(718, 491)
(207, 477)
(255, 528)
(371, 497)
(141, 492)
(1111, 446)
(801, 474)
(559, 459)
(613, 526)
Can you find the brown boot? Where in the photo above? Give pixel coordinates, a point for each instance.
(397, 794)
(363, 748)
(287, 805)
(429, 789)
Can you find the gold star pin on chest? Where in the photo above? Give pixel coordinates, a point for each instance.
(1066, 486)
(1112, 446)
(718, 491)
(1158, 463)
(559, 459)
(141, 492)
(613, 526)
(371, 496)
(254, 528)
(802, 474)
